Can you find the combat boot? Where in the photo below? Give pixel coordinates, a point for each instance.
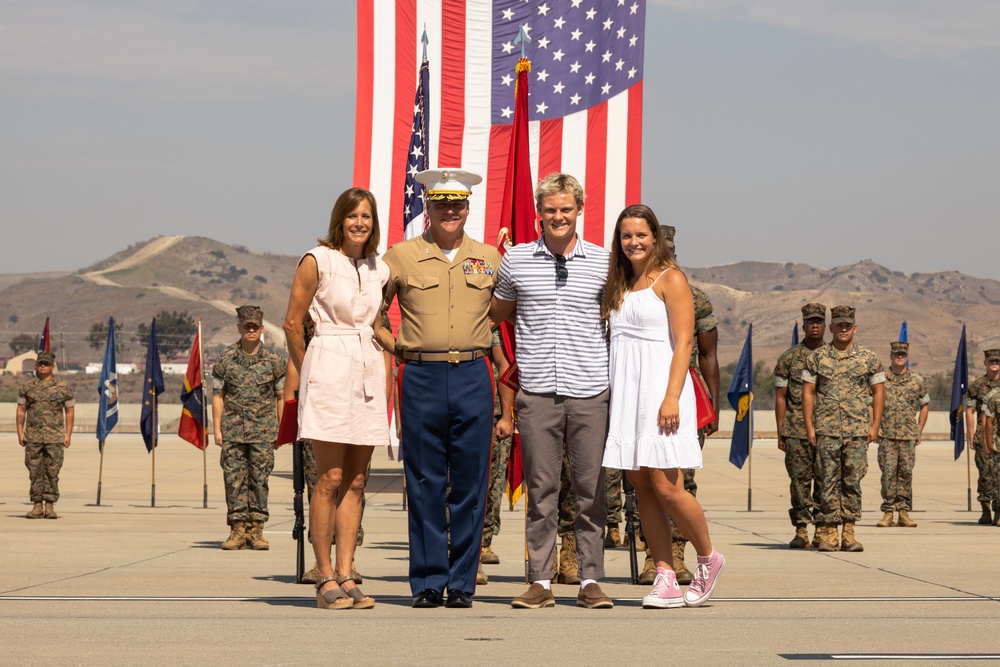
(50, 511)
(481, 578)
(569, 568)
(613, 537)
(905, 521)
(311, 576)
(36, 512)
(814, 544)
(648, 574)
(237, 537)
(684, 576)
(987, 517)
(887, 520)
(255, 536)
(827, 536)
(847, 540)
(801, 539)
(488, 557)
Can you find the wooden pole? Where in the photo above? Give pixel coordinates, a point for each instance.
(155, 427)
(968, 473)
(750, 460)
(100, 474)
(203, 434)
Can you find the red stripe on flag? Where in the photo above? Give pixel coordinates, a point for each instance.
(633, 169)
(495, 174)
(597, 164)
(365, 91)
(550, 141)
(406, 89)
(453, 84)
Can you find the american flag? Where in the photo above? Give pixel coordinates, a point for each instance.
(585, 102)
(416, 155)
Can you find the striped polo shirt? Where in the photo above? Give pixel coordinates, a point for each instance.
(561, 343)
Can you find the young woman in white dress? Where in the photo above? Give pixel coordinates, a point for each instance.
(653, 431)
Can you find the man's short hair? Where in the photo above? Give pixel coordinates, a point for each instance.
(555, 184)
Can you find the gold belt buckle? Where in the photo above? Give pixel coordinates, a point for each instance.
(454, 356)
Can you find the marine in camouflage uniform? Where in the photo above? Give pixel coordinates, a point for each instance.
(835, 401)
(45, 412)
(499, 456)
(991, 434)
(247, 383)
(902, 429)
(986, 462)
(800, 454)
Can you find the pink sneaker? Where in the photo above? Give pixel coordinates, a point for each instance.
(665, 594)
(705, 577)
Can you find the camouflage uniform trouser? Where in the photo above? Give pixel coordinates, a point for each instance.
(309, 470)
(986, 486)
(843, 463)
(803, 471)
(567, 499)
(245, 470)
(895, 460)
(43, 461)
(498, 481)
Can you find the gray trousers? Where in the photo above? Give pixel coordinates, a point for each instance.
(546, 421)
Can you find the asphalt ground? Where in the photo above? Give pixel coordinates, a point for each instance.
(125, 583)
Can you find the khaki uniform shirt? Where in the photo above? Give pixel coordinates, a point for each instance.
(905, 394)
(443, 303)
(788, 374)
(842, 379)
(250, 384)
(975, 397)
(45, 401)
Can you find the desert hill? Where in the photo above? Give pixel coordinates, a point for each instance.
(209, 279)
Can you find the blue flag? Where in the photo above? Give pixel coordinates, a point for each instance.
(741, 399)
(959, 387)
(152, 386)
(107, 389)
(795, 334)
(902, 339)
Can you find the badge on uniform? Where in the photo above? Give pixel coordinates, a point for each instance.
(478, 266)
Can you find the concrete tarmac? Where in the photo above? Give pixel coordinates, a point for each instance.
(125, 583)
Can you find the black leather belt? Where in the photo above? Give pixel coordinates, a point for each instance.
(451, 356)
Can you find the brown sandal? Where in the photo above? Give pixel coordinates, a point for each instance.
(360, 600)
(335, 598)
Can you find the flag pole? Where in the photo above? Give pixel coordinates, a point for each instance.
(968, 473)
(154, 433)
(100, 474)
(750, 461)
(204, 420)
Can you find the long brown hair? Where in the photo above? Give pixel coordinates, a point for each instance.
(349, 200)
(620, 273)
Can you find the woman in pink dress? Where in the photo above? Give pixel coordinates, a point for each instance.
(342, 394)
(652, 426)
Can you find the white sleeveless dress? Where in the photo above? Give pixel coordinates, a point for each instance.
(641, 351)
(342, 386)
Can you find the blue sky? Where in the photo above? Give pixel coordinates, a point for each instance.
(792, 130)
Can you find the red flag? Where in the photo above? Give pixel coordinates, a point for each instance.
(193, 400)
(585, 112)
(517, 225)
(45, 342)
(288, 429)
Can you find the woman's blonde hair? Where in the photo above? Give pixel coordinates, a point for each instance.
(620, 273)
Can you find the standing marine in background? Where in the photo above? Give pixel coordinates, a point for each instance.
(842, 401)
(45, 410)
(985, 460)
(907, 405)
(800, 454)
(247, 401)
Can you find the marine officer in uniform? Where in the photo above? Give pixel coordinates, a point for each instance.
(443, 281)
(842, 401)
(800, 454)
(986, 460)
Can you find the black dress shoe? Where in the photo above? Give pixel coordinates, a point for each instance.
(427, 598)
(459, 600)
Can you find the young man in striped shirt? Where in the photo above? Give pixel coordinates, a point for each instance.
(556, 285)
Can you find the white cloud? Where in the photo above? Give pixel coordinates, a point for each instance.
(900, 28)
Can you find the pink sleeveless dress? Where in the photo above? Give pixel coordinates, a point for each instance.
(342, 386)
